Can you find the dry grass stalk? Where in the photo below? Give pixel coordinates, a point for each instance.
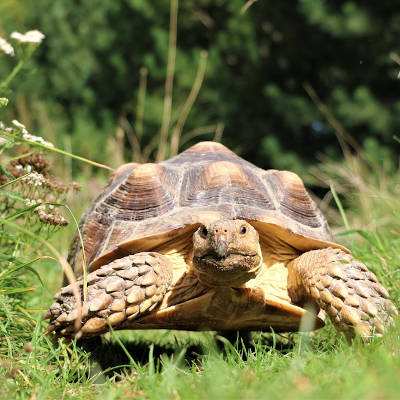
(373, 193)
(187, 106)
(169, 82)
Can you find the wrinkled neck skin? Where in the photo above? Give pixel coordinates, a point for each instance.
(226, 253)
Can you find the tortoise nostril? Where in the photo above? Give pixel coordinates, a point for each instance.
(225, 230)
(204, 232)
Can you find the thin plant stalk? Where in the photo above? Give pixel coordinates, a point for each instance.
(246, 6)
(340, 207)
(203, 130)
(6, 82)
(143, 73)
(169, 82)
(14, 180)
(68, 271)
(65, 153)
(343, 137)
(85, 268)
(133, 139)
(219, 130)
(187, 106)
(60, 151)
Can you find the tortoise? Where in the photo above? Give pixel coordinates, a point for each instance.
(208, 241)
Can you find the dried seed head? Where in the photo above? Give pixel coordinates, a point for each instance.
(56, 185)
(28, 347)
(3, 179)
(36, 161)
(51, 218)
(16, 170)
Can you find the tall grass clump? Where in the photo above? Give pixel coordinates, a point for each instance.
(32, 210)
(364, 189)
(363, 198)
(367, 182)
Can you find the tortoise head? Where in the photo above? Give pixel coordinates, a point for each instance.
(226, 253)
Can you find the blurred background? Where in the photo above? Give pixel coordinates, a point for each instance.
(286, 84)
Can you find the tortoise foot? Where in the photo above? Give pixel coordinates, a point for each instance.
(116, 292)
(345, 289)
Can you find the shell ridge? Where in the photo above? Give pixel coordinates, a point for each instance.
(228, 184)
(107, 239)
(271, 195)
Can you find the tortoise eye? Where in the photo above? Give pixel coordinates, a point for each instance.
(203, 232)
(243, 230)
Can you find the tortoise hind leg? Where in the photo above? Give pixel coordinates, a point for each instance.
(116, 292)
(344, 288)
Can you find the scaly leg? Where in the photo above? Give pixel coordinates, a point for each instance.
(119, 291)
(344, 288)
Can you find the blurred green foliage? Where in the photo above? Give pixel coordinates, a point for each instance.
(86, 73)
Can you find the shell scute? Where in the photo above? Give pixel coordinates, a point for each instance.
(150, 190)
(223, 182)
(293, 199)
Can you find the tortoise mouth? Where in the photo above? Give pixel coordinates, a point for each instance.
(234, 260)
(232, 269)
(215, 258)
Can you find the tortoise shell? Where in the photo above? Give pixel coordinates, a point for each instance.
(145, 205)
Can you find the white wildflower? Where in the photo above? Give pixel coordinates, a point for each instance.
(31, 202)
(34, 179)
(19, 126)
(6, 47)
(36, 139)
(3, 101)
(28, 168)
(35, 37)
(28, 202)
(28, 136)
(2, 128)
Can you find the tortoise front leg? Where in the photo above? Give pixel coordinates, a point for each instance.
(344, 288)
(117, 292)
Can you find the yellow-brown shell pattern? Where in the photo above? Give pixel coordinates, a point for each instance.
(206, 182)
